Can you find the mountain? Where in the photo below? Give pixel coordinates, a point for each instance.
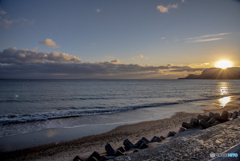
(217, 73)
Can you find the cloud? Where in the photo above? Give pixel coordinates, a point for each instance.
(163, 38)
(2, 12)
(199, 65)
(210, 35)
(139, 56)
(205, 38)
(49, 43)
(115, 61)
(108, 57)
(98, 10)
(173, 6)
(164, 9)
(29, 64)
(13, 55)
(35, 49)
(183, 1)
(6, 23)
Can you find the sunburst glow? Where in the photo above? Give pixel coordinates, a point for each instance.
(223, 64)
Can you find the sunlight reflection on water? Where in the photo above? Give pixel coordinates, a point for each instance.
(51, 132)
(223, 101)
(223, 88)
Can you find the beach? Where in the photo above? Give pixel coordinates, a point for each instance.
(86, 145)
(110, 80)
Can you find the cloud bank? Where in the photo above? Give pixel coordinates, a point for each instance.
(13, 55)
(30, 64)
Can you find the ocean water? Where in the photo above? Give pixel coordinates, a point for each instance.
(33, 105)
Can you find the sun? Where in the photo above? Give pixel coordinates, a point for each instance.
(223, 64)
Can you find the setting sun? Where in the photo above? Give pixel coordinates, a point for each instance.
(223, 64)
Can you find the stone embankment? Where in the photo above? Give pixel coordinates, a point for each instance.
(214, 133)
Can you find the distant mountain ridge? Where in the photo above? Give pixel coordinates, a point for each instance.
(217, 73)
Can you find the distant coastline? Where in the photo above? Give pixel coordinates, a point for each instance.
(217, 73)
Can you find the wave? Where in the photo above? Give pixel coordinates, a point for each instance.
(48, 100)
(60, 99)
(13, 119)
(64, 99)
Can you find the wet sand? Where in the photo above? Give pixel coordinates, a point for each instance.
(86, 145)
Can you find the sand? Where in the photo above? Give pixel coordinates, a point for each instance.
(85, 146)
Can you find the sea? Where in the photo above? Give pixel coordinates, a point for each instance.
(28, 106)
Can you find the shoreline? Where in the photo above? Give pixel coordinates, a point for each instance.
(86, 145)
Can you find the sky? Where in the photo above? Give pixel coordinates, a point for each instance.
(117, 39)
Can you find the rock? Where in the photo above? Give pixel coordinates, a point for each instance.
(194, 122)
(162, 138)
(235, 115)
(170, 134)
(140, 142)
(156, 139)
(128, 145)
(94, 156)
(187, 125)
(135, 150)
(103, 158)
(211, 121)
(215, 116)
(204, 124)
(146, 140)
(181, 130)
(203, 117)
(143, 146)
(110, 151)
(239, 113)
(230, 115)
(93, 159)
(118, 152)
(224, 114)
(121, 149)
(77, 158)
(210, 114)
(219, 118)
(152, 140)
(215, 123)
